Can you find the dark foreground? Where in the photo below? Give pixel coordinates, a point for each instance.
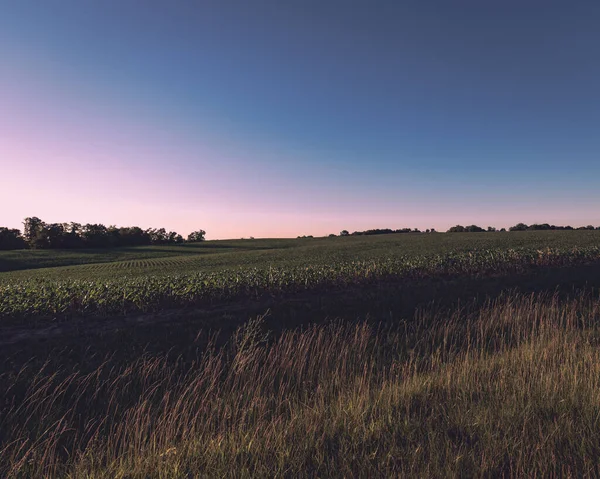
(450, 377)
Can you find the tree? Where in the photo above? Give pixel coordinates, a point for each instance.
(38, 234)
(491, 229)
(344, 233)
(95, 236)
(518, 227)
(72, 235)
(133, 236)
(542, 227)
(196, 236)
(173, 237)
(466, 229)
(32, 230)
(158, 236)
(11, 239)
(54, 236)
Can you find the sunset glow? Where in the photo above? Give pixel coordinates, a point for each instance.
(192, 125)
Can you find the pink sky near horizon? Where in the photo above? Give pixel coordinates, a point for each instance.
(75, 152)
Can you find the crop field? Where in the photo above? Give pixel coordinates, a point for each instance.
(248, 269)
(419, 355)
(213, 256)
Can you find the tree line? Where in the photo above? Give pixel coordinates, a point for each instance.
(468, 229)
(519, 227)
(38, 234)
(384, 231)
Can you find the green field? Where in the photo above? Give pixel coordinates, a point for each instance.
(213, 256)
(151, 279)
(405, 355)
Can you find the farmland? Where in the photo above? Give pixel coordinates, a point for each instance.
(202, 275)
(405, 354)
(211, 256)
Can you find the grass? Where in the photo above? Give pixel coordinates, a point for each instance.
(370, 362)
(511, 388)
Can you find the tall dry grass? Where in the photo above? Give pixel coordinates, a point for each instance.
(510, 389)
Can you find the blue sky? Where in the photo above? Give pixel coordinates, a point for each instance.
(285, 118)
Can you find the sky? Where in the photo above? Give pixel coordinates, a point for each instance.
(279, 119)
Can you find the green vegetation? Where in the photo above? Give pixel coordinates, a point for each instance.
(152, 284)
(421, 355)
(211, 256)
(510, 388)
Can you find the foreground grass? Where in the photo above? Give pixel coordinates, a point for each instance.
(512, 388)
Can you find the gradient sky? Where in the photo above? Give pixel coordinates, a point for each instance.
(283, 118)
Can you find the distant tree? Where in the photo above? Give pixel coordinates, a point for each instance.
(11, 239)
(466, 229)
(433, 230)
(375, 232)
(196, 236)
(332, 235)
(174, 238)
(54, 236)
(133, 236)
(589, 227)
(95, 236)
(72, 235)
(518, 227)
(491, 229)
(540, 227)
(158, 236)
(344, 233)
(38, 234)
(32, 231)
(502, 230)
(113, 237)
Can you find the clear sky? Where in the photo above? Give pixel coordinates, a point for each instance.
(283, 118)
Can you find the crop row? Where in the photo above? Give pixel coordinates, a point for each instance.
(123, 295)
